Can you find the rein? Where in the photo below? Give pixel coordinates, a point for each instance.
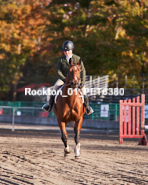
(67, 84)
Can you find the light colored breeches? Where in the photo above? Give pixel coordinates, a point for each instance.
(59, 82)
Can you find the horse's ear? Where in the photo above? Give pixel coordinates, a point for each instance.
(70, 61)
(79, 62)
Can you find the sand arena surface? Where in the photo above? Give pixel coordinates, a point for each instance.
(36, 157)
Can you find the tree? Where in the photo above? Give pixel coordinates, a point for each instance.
(22, 26)
(110, 36)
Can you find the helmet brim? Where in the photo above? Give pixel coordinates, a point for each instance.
(66, 49)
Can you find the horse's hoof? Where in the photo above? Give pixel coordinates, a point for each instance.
(77, 157)
(77, 151)
(67, 151)
(66, 154)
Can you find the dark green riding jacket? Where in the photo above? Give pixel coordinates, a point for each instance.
(63, 67)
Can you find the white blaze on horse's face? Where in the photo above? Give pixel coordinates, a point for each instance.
(75, 78)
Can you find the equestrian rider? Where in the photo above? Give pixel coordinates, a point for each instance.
(62, 70)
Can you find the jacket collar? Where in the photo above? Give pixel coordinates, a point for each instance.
(73, 59)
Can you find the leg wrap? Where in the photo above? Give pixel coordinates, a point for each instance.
(64, 139)
(77, 138)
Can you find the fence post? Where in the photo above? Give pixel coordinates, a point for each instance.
(116, 113)
(108, 123)
(90, 83)
(142, 114)
(13, 119)
(92, 115)
(120, 122)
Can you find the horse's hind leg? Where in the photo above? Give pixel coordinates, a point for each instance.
(77, 129)
(64, 137)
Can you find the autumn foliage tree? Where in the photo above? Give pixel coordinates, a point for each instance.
(111, 36)
(22, 29)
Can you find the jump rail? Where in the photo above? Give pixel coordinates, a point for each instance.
(129, 127)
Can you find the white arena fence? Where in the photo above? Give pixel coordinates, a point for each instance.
(92, 82)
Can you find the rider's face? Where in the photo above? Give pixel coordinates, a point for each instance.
(68, 53)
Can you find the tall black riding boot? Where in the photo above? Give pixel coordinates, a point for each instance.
(89, 110)
(48, 106)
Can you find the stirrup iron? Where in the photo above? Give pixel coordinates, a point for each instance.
(89, 110)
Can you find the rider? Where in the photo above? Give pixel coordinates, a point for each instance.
(62, 70)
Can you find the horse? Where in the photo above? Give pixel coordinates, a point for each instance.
(69, 107)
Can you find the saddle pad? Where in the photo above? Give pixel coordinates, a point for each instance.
(55, 99)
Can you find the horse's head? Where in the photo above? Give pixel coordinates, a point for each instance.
(74, 73)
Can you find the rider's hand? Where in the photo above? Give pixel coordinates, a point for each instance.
(64, 80)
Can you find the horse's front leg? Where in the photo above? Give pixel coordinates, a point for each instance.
(64, 137)
(77, 129)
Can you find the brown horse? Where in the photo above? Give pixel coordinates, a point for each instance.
(69, 107)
